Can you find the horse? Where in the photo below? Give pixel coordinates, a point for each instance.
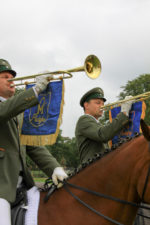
(122, 174)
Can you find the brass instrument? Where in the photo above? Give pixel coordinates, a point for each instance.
(92, 68)
(137, 98)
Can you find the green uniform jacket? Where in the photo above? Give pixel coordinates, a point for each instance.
(12, 155)
(92, 136)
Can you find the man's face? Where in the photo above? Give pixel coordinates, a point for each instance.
(6, 91)
(93, 107)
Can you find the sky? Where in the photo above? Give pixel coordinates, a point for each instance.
(40, 35)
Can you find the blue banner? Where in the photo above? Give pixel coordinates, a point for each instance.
(137, 112)
(42, 121)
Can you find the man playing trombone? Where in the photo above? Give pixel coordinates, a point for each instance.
(13, 168)
(91, 135)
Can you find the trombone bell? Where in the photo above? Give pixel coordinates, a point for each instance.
(92, 66)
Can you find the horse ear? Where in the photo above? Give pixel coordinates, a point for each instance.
(145, 130)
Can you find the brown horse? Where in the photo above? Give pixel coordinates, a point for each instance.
(122, 174)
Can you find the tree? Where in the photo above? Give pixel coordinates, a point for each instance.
(138, 86)
(65, 151)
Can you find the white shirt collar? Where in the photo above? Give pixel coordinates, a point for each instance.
(2, 99)
(92, 117)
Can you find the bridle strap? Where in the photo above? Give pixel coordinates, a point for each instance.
(89, 207)
(104, 196)
(138, 205)
(145, 185)
(146, 180)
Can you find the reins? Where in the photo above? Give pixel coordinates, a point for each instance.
(66, 184)
(105, 196)
(138, 205)
(86, 205)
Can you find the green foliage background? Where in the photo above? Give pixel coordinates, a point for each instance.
(65, 151)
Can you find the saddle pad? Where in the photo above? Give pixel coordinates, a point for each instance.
(31, 216)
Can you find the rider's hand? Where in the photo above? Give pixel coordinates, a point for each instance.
(59, 174)
(126, 106)
(42, 82)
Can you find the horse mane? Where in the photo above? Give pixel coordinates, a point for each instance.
(100, 155)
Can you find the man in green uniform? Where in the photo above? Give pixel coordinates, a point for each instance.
(13, 168)
(91, 135)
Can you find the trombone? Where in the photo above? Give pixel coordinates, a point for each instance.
(137, 98)
(92, 68)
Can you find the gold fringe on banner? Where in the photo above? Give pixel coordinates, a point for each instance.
(42, 140)
(143, 113)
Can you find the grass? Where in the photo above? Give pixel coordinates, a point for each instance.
(39, 179)
(39, 176)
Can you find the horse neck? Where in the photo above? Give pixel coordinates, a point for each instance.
(117, 173)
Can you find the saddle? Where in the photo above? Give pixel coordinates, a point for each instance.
(19, 207)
